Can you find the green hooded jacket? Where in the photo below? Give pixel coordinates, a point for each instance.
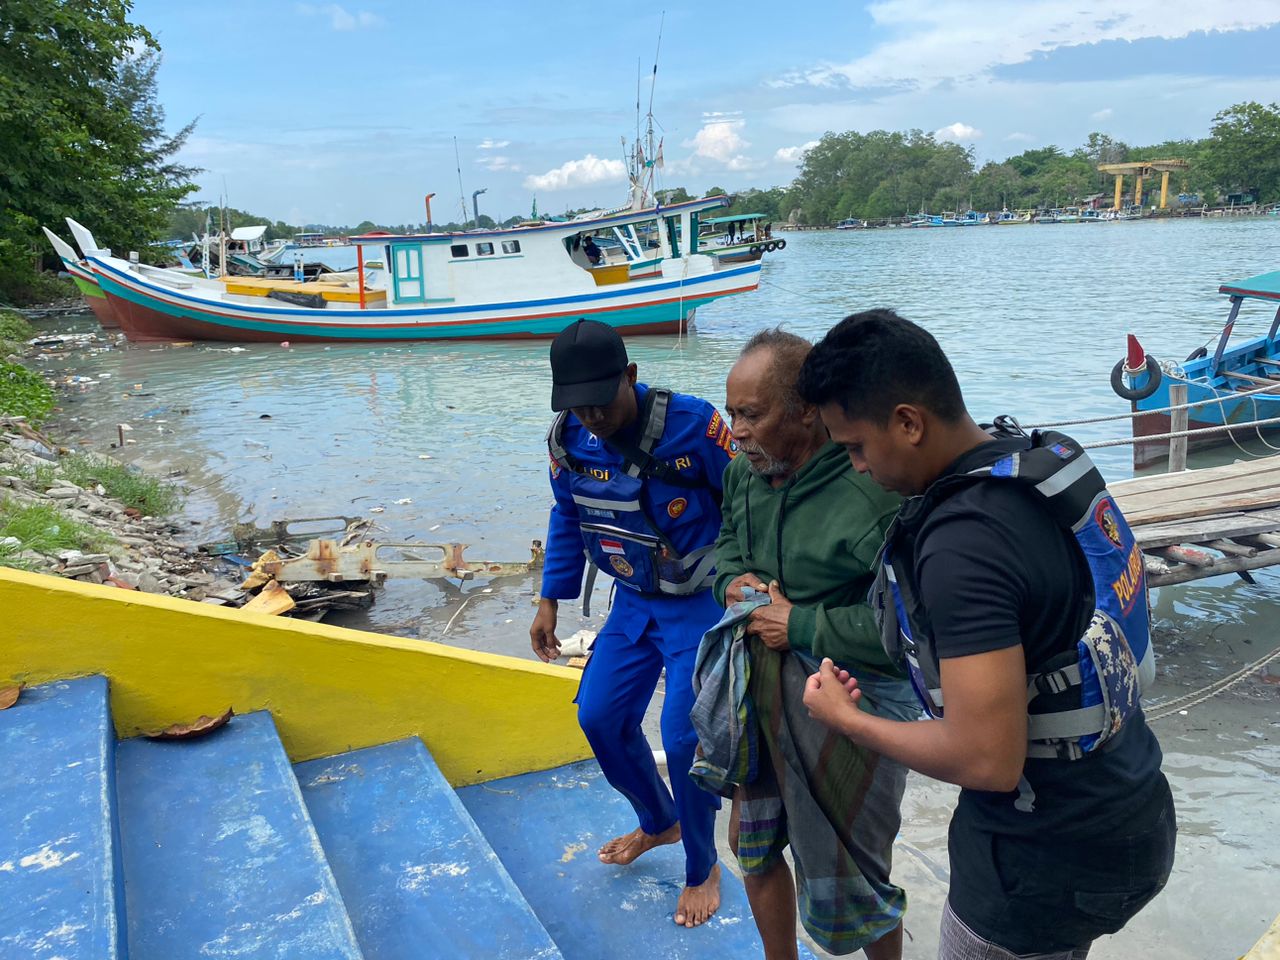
(818, 536)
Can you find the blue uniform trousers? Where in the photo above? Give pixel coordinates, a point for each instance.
(642, 635)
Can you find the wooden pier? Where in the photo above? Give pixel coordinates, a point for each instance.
(1205, 523)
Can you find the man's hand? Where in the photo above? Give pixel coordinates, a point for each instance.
(769, 623)
(543, 631)
(832, 697)
(733, 592)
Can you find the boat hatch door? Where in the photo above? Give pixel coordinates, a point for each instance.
(407, 272)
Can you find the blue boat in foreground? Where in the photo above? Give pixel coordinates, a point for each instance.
(1236, 385)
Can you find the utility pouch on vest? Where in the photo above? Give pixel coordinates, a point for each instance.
(1105, 673)
(629, 556)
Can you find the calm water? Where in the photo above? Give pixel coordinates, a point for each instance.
(1033, 319)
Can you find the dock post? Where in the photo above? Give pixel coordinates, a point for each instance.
(1178, 424)
(1137, 191)
(1119, 191)
(1164, 189)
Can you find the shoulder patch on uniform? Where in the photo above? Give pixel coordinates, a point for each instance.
(726, 442)
(555, 467)
(713, 428)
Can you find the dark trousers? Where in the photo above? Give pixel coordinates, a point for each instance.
(1045, 895)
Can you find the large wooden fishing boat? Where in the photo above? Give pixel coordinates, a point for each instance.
(372, 798)
(528, 281)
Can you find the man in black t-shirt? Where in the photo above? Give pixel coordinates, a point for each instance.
(1047, 852)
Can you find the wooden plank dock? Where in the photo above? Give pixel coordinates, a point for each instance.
(1205, 523)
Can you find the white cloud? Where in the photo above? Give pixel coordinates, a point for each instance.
(937, 41)
(959, 132)
(794, 154)
(1103, 114)
(721, 140)
(1021, 137)
(497, 162)
(339, 18)
(488, 144)
(577, 173)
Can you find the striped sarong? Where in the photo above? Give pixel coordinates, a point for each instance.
(835, 803)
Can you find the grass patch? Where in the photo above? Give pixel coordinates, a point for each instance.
(43, 528)
(153, 497)
(23, 393)
(14, 326)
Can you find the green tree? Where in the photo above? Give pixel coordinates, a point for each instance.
(82, 132)
(1243, 153)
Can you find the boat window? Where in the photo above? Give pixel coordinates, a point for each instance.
(510, 246)
(458, 250)
(484, 249)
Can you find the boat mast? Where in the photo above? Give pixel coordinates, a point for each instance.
(650, 152)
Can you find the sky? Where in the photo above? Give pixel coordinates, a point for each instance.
(340, 112)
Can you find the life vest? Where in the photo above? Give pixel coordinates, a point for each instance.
(1088, 693)
(617, 533)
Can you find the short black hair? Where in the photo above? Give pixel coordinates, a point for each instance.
(870, 362)
(787, 355)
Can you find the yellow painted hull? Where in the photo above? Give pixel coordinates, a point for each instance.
(329, 689)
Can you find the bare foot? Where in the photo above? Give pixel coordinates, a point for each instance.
(622, 850)
(697, 904)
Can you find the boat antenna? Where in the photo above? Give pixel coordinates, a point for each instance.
(462, 194)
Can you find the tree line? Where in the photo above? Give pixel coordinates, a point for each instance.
(885, 174)
(84, 135)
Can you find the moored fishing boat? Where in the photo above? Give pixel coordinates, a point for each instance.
(1008, 217)
(528, 281)
(1235, 386)
(739, 238)
(85, 282)
(352, 796)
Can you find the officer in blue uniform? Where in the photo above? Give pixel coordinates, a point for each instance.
(636, 475)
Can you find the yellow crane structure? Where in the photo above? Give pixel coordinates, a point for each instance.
(1141, 169)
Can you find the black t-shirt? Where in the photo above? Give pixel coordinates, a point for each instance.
(994, 570)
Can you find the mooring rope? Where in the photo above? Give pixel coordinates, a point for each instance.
(1146, 413)
(1188, 700)
(1124, 441)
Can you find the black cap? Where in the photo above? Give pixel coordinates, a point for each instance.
(588, 360)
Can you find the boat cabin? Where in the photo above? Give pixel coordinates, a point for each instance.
(494, 265)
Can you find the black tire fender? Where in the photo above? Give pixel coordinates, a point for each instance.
(753, 249)
(782, 244)
(770, 247)
(1196, 354)
(1129, 393)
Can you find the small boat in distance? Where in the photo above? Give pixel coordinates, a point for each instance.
(1228, 387)
(1009, 217)
(739, 238)
(851, 223)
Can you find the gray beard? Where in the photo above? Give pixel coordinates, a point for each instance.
(770, 468)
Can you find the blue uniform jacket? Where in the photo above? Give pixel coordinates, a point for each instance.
(696, 441)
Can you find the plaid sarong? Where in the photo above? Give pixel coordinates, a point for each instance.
(722, 715)
(835, 803)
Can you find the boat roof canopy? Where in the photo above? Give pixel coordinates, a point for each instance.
(1265, 286)
(569, 227)
(249, 233)
(736, 218)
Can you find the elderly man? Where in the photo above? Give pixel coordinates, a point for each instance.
(802, 526)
